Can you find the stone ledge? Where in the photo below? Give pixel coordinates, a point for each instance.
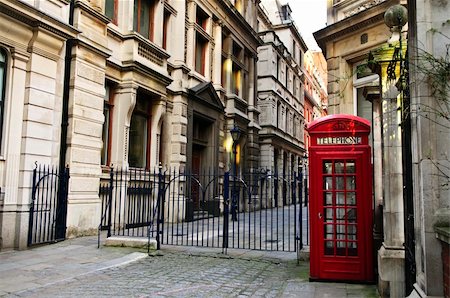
(443, 234)
(125, 241)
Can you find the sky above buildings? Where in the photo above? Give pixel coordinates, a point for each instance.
(309, 16)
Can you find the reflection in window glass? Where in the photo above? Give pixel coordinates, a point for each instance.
(350, 167)
(328, 199)
(340, 198)
(351, 181)
(138, 141)
(327, 167)
(351, 198)
(329, 248)
(328, 231)
(328, 214)
(340, 183)
(339, 167)
(340, 213)
(328, 183)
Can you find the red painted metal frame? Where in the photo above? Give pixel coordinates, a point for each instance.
(348, 263)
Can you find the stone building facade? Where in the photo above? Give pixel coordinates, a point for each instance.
(280, 89)
(135, 84)
(316, 98)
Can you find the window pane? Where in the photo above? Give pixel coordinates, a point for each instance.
(329, 248)
(328, 231)
(351, 198)
(328, 198)
(339, 182)
(105, 136)
(350, 167)
(340, 198)
(350, 181)
(144, 19)
(200, 48)
(109, 8)
(138, 141)
(327, 183)
(327, 167)
(339, 167)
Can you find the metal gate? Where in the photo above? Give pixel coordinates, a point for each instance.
(260, 211)
(48, 210)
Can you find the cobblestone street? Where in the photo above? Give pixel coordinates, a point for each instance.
(196, 272)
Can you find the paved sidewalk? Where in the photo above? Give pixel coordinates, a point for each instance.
(49, 264)
(75, 268)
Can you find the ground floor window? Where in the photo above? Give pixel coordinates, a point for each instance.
(139, 147)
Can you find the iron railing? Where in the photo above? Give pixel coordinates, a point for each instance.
(259, 211)
(48, 208)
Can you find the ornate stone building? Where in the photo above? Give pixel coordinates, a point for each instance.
(134, 84)
(280, 89)
(316, 98)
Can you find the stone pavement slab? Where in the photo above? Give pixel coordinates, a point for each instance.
(76, 268)
(46, 265)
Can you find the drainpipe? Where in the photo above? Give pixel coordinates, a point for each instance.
(66, 91)
(61, 221)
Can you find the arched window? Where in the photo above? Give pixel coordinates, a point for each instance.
(3, 68)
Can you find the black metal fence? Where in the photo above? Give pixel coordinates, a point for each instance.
(259, 211)
(48, 209)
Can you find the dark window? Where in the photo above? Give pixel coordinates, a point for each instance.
(111, 10)
(200, 53)
(3, 67)
(139, 150)
(165, 28)
(106, 134)
(144, 17)
(201, 18)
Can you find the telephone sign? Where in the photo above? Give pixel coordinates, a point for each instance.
(340, 199)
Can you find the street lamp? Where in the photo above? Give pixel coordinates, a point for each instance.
(235, 135)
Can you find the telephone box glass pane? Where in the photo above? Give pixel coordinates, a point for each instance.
(340, 183)
(350, 169)
(340, 198)
(328, 198)
(351, 215)
(328, 231)
(352, 249)
(340, 213)
(327, 183)
(327, 167)
(340, 232)
(351, 198)
(328, 214)
(351, 183)
(340, 248)
(339, 167)
(329, 248)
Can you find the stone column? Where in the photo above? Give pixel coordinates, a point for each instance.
(217, 59)
(85, 121)
(124, 102)
(391, 255)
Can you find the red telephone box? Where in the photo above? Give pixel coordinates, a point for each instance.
(340, 199)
